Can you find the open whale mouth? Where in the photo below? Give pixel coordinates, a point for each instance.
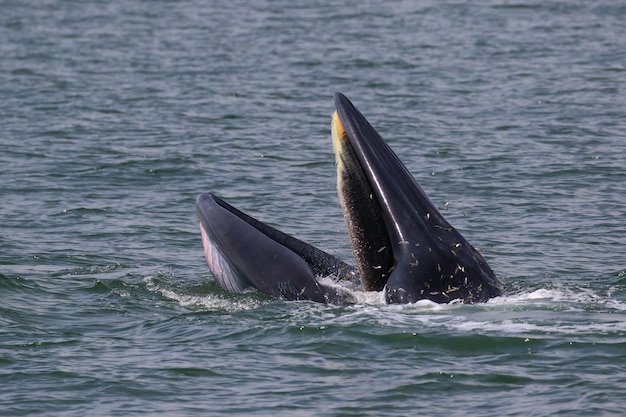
(401, 243)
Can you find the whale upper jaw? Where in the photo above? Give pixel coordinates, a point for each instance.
(399, 238)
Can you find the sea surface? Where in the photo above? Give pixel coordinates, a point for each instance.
(115, 115)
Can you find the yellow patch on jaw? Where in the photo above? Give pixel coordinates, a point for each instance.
(339, 134)
(337, 127)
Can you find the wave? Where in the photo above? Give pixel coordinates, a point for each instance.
(527, 313)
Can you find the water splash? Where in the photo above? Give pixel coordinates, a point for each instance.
(217, 300)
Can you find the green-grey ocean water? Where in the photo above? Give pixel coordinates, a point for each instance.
(115, 115)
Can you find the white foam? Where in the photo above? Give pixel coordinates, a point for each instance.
(211, 302)
(545, 312)
(536, 313)
(574, 298)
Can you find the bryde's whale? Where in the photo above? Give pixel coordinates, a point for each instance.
(402, 245)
